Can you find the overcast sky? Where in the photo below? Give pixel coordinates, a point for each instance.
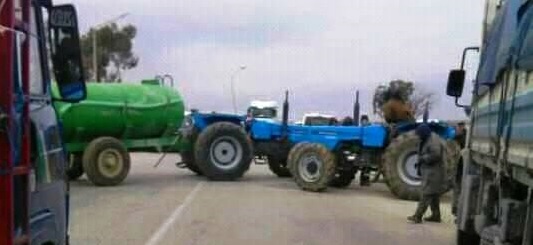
(322, 51)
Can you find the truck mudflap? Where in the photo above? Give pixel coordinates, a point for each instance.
(467, 202)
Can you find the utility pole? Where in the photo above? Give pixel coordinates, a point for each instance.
(233, 96)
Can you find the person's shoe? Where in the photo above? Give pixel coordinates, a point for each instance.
(435, 219)
(414, 219)
(365, 181)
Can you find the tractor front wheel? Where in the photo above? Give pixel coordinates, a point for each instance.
(312, 166)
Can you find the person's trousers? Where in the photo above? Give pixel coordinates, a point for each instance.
(428, 200)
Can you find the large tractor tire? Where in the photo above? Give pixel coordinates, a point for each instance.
(187, 157)
(399, 168)
(75, 167)
(278, 167)
(106, 161)
(343, 179)
(312, 166)
(223, 152)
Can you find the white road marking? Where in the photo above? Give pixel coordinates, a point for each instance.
(163, 229)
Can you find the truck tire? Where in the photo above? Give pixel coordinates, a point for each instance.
(223, 152)
(312, 166)
(75, 167)
(278, 167)
(465, 238)
(187, 157)
(106, 161)
(342, 179)
(399, 165)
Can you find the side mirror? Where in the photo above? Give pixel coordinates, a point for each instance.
(456, 82)
(66, 53)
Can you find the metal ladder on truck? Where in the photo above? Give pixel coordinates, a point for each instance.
(15, 168)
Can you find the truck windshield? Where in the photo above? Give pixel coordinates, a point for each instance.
(36, 78)
(318, 121)
(263, 112)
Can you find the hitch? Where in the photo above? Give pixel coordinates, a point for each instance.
(181, 164)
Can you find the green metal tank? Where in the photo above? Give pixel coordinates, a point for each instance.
(124, 111)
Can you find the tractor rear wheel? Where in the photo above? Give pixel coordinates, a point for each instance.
(312, 166)
(223, 151)
(278, 167)
(75, 167)
(106, 161)
(399, 168)
(343, 178)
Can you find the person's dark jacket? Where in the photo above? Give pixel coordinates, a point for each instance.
(431, 164)
(461, 139)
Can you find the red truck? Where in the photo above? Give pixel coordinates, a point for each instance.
(33, 184)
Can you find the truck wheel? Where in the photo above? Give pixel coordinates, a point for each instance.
(187, 157)
(223, 151)
(75, 167)
(278, 167)
(465, 238)
(399, 168)
(312, 166)
(106, 161)
(342, 179)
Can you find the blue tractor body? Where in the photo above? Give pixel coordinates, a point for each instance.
(353, 147)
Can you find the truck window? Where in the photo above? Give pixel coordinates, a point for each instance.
(263, 112)
(36, 75)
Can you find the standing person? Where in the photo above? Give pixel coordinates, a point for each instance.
(347, 121)
(460, 134)
(364, 178)
(431, 168)
(364, 120)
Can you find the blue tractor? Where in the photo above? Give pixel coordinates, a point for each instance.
(315, 156)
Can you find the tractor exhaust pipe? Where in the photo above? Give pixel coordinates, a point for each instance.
(356, 109)
(425, 117)
(285, 116)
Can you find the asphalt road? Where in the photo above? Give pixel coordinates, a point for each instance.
(167, 205)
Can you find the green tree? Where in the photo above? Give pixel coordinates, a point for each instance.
(418, 99)
(114, 52)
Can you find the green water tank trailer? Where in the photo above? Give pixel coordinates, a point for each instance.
(115, 119)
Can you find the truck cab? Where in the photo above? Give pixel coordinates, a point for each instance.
(39, 43)
(263, 109)
(495, 187)
(318, 119)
